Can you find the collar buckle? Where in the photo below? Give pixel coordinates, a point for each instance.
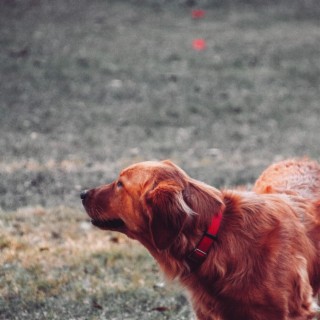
(211, 236)
(197, 255)
(200, 252)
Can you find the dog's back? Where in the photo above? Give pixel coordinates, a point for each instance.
(300, 180)
(294, 177)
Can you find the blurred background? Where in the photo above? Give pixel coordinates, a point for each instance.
(222, 88)
(88, 87)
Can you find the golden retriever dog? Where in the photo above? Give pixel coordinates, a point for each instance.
(241, 255)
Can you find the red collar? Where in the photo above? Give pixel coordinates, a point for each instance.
(200, 252)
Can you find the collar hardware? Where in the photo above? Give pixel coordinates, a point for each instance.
(200, 252)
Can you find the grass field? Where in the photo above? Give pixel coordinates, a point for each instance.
(54, 265)
(88, 87)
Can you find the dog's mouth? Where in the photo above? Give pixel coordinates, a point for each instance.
(112, 224)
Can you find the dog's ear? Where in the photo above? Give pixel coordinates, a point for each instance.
(168, 212)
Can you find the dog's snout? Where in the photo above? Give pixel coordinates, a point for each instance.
(83, 194)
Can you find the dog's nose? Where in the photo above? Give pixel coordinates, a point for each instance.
(83, 194)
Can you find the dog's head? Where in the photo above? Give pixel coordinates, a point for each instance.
(150, 201)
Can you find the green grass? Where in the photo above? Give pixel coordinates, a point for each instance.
(92, 86)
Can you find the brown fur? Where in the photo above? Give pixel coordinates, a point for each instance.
(296, 177)
(264, 264)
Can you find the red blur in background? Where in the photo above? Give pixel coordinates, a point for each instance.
(197, 14)
(199, 44)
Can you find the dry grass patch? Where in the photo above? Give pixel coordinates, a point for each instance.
(55, 264)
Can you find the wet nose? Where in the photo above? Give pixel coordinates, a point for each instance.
(83, 194)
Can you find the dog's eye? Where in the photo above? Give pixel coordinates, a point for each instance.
(119, 184)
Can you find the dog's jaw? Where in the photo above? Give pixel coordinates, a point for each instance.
(113, 224)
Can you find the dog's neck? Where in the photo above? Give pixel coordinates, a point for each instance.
(207, 203)
(200, 252)
(175, 261)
